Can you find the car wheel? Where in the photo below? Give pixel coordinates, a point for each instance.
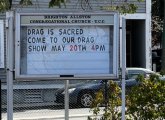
(86, 99)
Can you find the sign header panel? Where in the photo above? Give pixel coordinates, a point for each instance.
(59, 46)
(68, 19)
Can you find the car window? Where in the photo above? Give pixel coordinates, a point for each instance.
(133, 74)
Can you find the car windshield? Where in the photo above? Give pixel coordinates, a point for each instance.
(132, 73)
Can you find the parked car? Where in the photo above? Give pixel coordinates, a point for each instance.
(83, 94)
(133, 72)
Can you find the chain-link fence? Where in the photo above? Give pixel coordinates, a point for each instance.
(45, 100)
(36, 100)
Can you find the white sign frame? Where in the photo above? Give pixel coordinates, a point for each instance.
(1, 43)
(22, 19)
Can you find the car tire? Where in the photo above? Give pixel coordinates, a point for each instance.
(85, 99)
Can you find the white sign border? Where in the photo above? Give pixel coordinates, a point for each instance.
(2, 44)
(19, 76)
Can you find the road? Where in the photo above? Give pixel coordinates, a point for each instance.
(48, 114)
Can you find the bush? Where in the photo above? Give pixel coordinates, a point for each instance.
(111, 111)
(145, 101)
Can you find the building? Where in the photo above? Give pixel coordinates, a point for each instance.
(138, 46)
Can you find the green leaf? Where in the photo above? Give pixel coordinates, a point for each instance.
(25, 2)
(4, 5)
(58, 3)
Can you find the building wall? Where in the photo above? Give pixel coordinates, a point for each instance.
(142, 12)
(76, 4)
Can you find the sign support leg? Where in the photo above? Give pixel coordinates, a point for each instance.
(66, 100)
(10, 65)
(123, 66)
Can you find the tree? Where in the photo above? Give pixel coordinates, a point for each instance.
(163, 41)
(123, 8)
(4, 5)
(157, 22)
(158, 28)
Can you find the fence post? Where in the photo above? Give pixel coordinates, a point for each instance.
(1, 101)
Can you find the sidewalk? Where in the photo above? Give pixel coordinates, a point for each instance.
(46, 114)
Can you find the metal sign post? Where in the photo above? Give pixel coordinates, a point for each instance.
(10, 66)
(123, 66)
(66, 100)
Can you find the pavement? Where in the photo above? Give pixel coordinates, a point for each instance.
(47, 114)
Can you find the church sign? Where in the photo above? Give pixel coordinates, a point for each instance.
(67, 46)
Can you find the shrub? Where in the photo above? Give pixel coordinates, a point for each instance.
(145, 101)
(111, 111)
